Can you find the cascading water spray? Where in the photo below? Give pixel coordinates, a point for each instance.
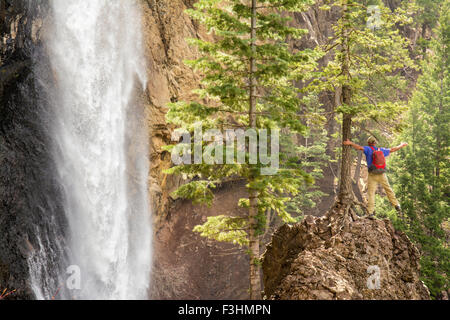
(100, 148)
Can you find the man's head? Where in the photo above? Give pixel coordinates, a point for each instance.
(372, 141)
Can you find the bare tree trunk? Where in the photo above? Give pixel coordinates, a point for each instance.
(255, 271)
(438, 133)
(345, 186)
(254, 239)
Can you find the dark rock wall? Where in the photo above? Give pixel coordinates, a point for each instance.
(29, 203)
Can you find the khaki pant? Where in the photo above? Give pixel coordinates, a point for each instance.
(372, 184)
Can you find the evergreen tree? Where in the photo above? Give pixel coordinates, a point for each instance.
(428, 11)
(247, 73)
(369, 51)
(426, 19)
(422, 172)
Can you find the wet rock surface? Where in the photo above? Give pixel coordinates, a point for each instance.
(29, 196)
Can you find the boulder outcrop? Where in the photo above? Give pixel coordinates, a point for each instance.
(341, 256)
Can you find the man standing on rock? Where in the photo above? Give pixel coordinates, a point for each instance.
(376, 164)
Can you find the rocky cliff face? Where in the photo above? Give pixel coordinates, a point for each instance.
(28, 192)
(18, 31)
(341, 256)
(186, 266)
(166, 27)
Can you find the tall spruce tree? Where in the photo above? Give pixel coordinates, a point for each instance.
(248, 72)
(422, 172)
(368, 50)
(427, 14)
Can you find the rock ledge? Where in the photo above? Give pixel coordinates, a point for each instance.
(337, 257)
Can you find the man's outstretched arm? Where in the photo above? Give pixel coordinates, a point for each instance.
(404, 144)
(354, 145)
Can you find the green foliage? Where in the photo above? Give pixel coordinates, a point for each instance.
(367, 54)
(224, 228)
(428, 11)
(197, 191)
(368, 60)
(422, 172)
(311, 154)
(224, 103)
(384, 209)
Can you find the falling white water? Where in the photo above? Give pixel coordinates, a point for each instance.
(101, 153)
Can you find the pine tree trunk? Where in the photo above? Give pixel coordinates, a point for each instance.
(438, 133)
(252, 115)
(255, 273)
(255, 277)
(345, 186)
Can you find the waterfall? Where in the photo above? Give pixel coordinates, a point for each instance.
(95, 54)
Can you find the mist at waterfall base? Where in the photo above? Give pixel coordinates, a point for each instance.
(99, 147)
